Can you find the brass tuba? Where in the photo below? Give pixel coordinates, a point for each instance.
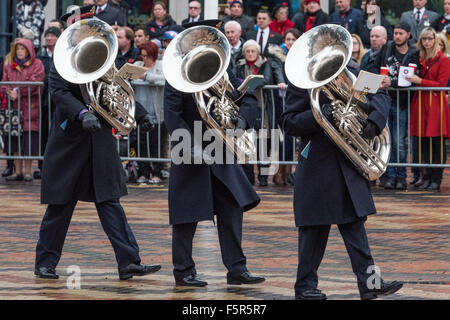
(85, 54)
(318, 61)
(196, 62)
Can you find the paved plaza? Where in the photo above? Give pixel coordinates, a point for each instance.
(409, 238)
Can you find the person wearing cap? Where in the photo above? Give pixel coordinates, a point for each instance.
(168, 36)
(373, 16)
(195, 10)
(237, 14)
(419, 18)
(51, 35)
(346, 16)
(81, 163)
(199, 189)
(313, 17)
(394, 54)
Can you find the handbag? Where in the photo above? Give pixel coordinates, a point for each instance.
(11, 122)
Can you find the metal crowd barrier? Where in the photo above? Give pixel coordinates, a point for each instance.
(270, 102)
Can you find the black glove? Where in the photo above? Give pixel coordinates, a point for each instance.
(327, 111)
(90, 122)
(370, 130)
(240, 125)
(146, 124)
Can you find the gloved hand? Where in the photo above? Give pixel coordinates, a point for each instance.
(370, 130)
(146, 124)
(90, 122)
(240, 125)
(327, 111)
(199, 157)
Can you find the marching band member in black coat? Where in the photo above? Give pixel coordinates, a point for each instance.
(81, 162)
(197, 192)
(329, 190)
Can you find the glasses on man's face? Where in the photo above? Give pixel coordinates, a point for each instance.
(427, 38)
(194, 8)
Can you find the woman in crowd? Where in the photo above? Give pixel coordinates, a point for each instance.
(150, 95)
(284, 176)
(358, 50)
(430, 118)
(314, 16)
(254, 63)
(160, 22)
(373, 16)
(443, 44)
(22, 65)
(281, 21)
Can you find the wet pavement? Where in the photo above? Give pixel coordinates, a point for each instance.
(409, 238)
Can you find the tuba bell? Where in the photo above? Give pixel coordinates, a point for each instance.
(196, 62)
(85, 54)
(318, 61)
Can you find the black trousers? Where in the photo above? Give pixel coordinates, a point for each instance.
(114, 222)
(229, 228)
(434, 174)
(312, 241)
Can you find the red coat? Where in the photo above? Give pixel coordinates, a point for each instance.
(33, 70)
(431, 111)
(280, 28)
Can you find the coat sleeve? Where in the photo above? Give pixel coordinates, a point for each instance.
(173, 109)
(139, 112)
(62, 95)
(378, 112)
(297, 119)
(443, 75)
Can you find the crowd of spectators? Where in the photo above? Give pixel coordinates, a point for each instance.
(258, 46)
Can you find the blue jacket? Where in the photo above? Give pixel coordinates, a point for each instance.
(350, 21)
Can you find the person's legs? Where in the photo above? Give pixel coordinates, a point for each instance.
(182, 237)
(312, 241)
(116, 227)
(52, 234)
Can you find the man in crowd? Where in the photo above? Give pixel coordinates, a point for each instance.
(346, 16)
(140, 35)
(109, 14)
(378, 38)
(393, 55)
(233, 32)
(195, 9)
(127, 52)
(263, 35)
(237, 14)
(419, 18)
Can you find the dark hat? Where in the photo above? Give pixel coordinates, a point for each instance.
(216, 23)
(53, 30)
(236, 1)
(79, 14)
(278, 6)
(403, 25)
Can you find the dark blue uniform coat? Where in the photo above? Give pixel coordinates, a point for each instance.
(79, 164)
(190, 185)
(328, 188)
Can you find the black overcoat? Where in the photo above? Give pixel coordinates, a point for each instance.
(190, 185)
(328, 188)
(79, 164)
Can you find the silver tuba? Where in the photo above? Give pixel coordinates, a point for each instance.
(318, 61)
(196, 62)
(85, 54)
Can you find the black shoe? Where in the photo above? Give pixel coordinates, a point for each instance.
(37, 174)
(390, 183)
(262, 181)
(9, 170)
(434, 186)
(46, 273)
(192, 280)
(15, 177)
(425, 185)
(311, 294)
(414, 180)
(244, 278)
(401, 185)
(137, 270)
(386, 288)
